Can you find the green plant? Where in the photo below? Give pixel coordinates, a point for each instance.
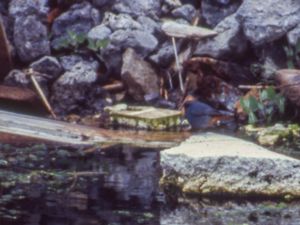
(264, 107)
(293, 55)
(78, 41)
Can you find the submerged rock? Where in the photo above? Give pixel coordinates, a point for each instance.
(140, 77)
(213, 164)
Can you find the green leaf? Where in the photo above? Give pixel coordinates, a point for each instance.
(281, 104)
(245, 105)
(102, 43)
(263, 95)
(252, 118)
(92, 45)
(253, 103)
(80, 38)
(271, 94)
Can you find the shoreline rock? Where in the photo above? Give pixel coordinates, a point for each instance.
(210, 164)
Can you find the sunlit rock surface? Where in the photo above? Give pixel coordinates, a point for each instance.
(212, 164)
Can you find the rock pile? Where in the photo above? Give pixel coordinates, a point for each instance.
(65, 41)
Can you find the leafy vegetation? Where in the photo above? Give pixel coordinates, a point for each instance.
(78, 41)
(265, 107)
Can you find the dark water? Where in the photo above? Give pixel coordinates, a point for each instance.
(114, 186)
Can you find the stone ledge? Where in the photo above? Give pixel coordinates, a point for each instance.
(213, 164)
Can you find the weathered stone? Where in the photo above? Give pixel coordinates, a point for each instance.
(150, 8)
(21, 79)
(48, 65)
(164, 56)
(69, 61)
(187, 12)
(269, 20)
(212, 164)
(294, 36)
(143, 43)
(18, 78)
(30, 38)
(214, 12)
(120, 21)
(172, 4)
(112, 58)
(229, 43)
(271, 58)
(23, 8)
(140, 77)
(80, 18)
(99, 32)
(101, 3)
(70, 90)
(149, 25)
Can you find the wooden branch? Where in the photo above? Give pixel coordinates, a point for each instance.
(76, 135)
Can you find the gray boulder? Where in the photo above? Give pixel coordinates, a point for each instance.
(70, 90)
(23, 8)
(143, 43)
(214, 11)
(149, 25)
(269, 20)
(213, 164)
(48, 65)
(187, 12)
(112, 58)
(139, 76)
(164, 55)
(30, 38)
(17, 78)
(150, 8)
(69, 61)
(294, 35)
(100, 32)
(80, 18)
(120, 21)
(101, 3)
(229, 43)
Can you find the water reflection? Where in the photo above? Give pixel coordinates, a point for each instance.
(122, 189)
(117, 186)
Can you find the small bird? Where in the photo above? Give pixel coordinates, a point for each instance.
(202, 116)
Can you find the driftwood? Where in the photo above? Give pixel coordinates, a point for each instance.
(178, 30)
(70, 134)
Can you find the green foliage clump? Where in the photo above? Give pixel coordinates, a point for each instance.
(265, 107)
(76, 41)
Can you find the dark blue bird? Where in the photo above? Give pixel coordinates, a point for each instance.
(201, 115)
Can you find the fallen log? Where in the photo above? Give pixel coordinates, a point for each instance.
(71, 134)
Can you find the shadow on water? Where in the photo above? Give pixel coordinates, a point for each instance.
(42, 185)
